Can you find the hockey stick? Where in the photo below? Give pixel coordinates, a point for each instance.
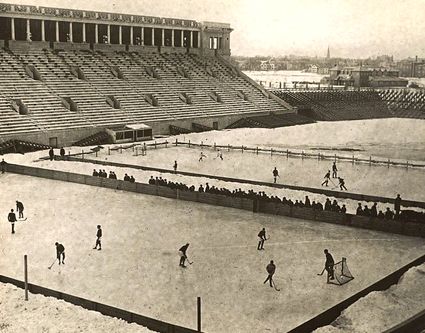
(22, 220)
(50, 267)
(274, 285)
(190, 263)
(322, 272)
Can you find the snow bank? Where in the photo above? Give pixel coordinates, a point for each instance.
(47, 314)
(382, 310)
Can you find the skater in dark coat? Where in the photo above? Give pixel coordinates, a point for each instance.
(359, 210)
(99, 236)
(329, 265)
(60, 253)
(334, 171)
(397, 204)
(275, 174)
(327, 178)
(3, 165)
(262, 236)
(342, 184)
(51, 154)
(20, 209)
(12, 219)
(271, 268)
(183, 255)
(175, 166)
(374, 210)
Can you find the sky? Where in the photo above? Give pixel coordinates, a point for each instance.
(351, 28)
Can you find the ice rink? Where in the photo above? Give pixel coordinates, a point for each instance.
(138, 270)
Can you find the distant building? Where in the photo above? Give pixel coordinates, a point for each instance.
(313, 69)
(267, 65)
(365, 77)
(412, 67)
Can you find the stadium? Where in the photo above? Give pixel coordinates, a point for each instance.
(145, 128)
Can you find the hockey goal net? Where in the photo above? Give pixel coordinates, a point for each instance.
(342, 274)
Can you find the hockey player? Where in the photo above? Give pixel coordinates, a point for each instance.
(201, 156)
(329, 265)
(51, 154)
(60, 253)
(271, 268)
(12, 219)
(3, 165)
(99, 236)
(20, 209)
(334, 171)
(62, 153)
(275, 174)
(262, 236)
(175, 166)
(327, 178)
(342, 184)
(183, 255)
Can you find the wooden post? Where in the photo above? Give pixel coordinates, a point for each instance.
(199, 313)
(228, 147)
(352, 160)
(176, 143)
(287, 153)
(202, 144)
(82, 154)
(335, 157)
(302, 155)
(189, 143)
(407, 164)
(137, 151)
(96, 153)
(215, 146)
(388, 163)
(271, 151)
(257, 150)
(318, 156)
(370, 160)
(242, 149)
(109, 151)
(120, 149)
(166, 144)
(155, 144)
(26, 276)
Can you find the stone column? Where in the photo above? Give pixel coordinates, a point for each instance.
(43, 32)
(28, 30)
(12, 28)
(199, 39)
(71, 37)
(131, 35)
(109, 34)
(191, 39)
(120, 34)
(182, 38)
(162, 37)
(96, 33)
(142, 36)
(172, 37)
(153, 37)
(84, 33)
(57, 31)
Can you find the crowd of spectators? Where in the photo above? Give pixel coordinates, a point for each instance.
(103, 174)
(329, 205)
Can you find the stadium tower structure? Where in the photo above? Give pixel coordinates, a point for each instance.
(67, 75)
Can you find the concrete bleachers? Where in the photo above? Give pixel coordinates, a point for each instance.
(63, 89)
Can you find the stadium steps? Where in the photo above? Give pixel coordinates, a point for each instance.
(99, 138)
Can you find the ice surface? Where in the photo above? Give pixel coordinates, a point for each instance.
(137, 268)
(47, 314)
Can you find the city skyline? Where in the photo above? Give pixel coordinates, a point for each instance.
(353, 29)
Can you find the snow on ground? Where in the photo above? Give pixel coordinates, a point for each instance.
(47, 314)
(389, 138)
(137, 268)
(381, 310)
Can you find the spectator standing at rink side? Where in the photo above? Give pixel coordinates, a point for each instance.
(374, 210)
(275, 174)
(20, 209)
(389, 214)
(95, 173)
(51, 154)
(359, 210)
(262, 236)
(126, 178)
(132, 179)
(12, 219)
(329, 265)
(397, 205)
(271, 269)
(3, 165)
(334, 171)
(342, 184)
(307, 201)
(60, 253)
(327, 178)
(99, 236)
(62, 153)
(183, 255)
(175, 166)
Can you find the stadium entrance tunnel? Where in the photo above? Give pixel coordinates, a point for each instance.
(130, 133)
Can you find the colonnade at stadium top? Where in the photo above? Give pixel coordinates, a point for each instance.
(47, 24)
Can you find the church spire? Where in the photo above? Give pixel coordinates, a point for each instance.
(328, 55)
